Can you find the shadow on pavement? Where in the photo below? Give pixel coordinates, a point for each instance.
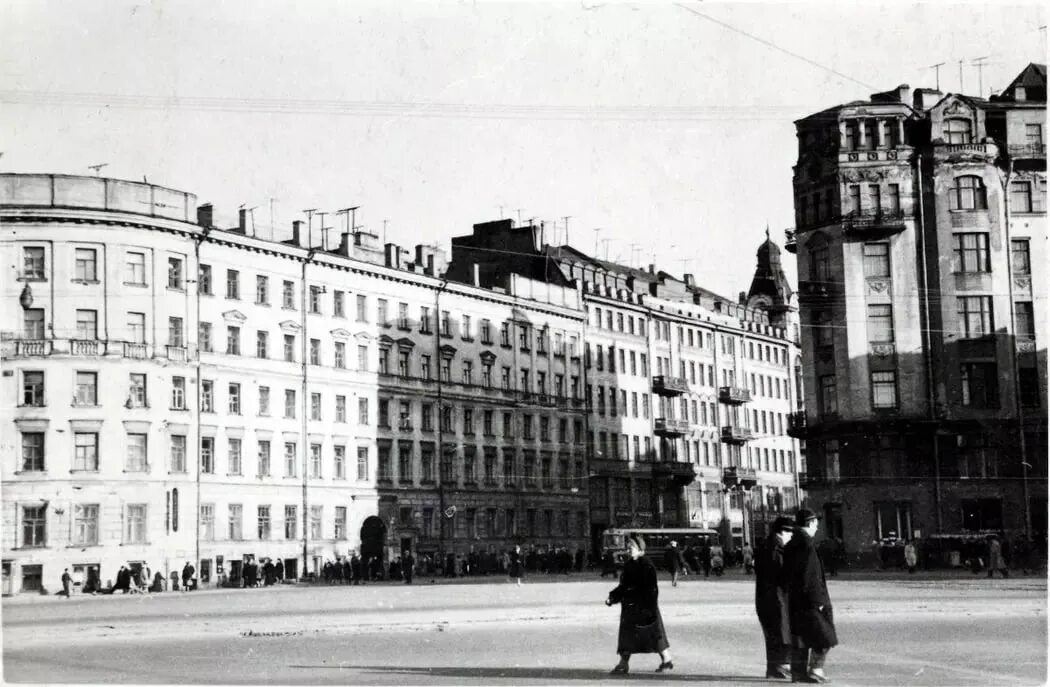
(560, 674)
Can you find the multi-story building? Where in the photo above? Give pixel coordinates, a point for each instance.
(175, 391)
(920, 224)
(688, 393)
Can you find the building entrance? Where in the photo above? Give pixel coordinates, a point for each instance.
(373, 537)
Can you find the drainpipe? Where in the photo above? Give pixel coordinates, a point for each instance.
(441, 421)
(931, 397)
(305, 404)
(200, 238)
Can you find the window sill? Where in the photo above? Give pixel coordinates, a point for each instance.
(32, 405)
(92, 545)
(177, 289)
(34, 280)
(83, 281)
(288, 308)
(84, 472)
(86, 405)
(138, 285)
(181, 410)
(31, 472)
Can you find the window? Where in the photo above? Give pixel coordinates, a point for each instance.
(975, 316)
(892, 519)
(289, 403)
(884, 389)
(236, 521)
(1021, 196)
(262, 290)
(877, 260)
(263, 455)
(264, 401)
(880, 323)
(829, 402)
(486, 332)
(233, 340)
(402, 316)
(982, 514)
(136, 458)
(204, 336)
(204, 283)
(381, 312)
(424, 320)
(504, 334)
(362, 358)
(288, 295)
(362, 463)
(234, 406)
(403, 366)
(33, 263)
(291, 522)
(233, 457)
(468, 372)
(967, 194)
(1024, 320)
(1028, 383)
(315, 351)
(32, 388)
(362, 411)
(208, 455)
(362, 308)
(208, 521)
(1020, 258)
(1033, 134)
(262, 344)
(134, 268)
(980, 385)
(340, 355)
(315, 300)
(874, 198)
(85, 264)
(85, 525)
(175, 330)
(978, 457)
(289, 459)
(135, 524)
(820, 269)
(86, 389)
(970, 253)
(384, 360)
(957, 131)
(263, 522)
(87, 324)
(32, 452)
(316, 516)
(339, 303)
(315, 461)
(289, 348)
(233, 284)
(177, 453)
(33, 323)
(176, 277)
(465, 328)
(340, 522)
(339, 462)
(486, 374)
(34, 526)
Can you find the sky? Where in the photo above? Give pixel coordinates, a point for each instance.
(663, 131)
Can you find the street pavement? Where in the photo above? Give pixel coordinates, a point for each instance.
(895, 630)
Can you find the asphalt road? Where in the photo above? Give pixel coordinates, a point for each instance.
(900, 631)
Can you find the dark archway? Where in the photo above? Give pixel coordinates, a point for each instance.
(373, 537)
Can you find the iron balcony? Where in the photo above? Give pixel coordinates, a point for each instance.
(731, 434)
(670, 386)
(733, 395)
(670, 427)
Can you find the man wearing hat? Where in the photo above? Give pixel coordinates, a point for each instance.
(771, 598)
(809, 606)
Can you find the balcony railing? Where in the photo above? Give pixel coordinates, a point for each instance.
(790, 242)
(733, 395)
(671, 427)
(797, 424)
(681, 472)
(734, 476)
(84, 347)
(731, 434)
(176, 353)
(1026, 150)
(670, 386)
(135, 350)
(32, 347)
(890, 221)
(954, 151)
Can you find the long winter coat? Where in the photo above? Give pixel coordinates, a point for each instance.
(771, 594)
(515, 569)
(673, 561)
(808, 601)
(641, 626)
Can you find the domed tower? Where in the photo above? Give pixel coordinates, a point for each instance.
(770, 290)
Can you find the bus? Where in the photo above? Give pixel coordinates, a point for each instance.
(657, 540)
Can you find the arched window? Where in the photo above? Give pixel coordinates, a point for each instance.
(819, 267)
(968, 194)
(958, 130)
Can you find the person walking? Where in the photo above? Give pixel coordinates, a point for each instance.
(187, 576)
(408, 566)
(673, 562)
(809, 606)
(67, 583)
(516, 568)
(911, 556)
(641, 626)
(771, 598)
(996, 562)
(705, 558)
(747, 557)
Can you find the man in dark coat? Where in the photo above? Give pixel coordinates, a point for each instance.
(812, 622)
(187, 575)
(674, 562)
(408, 566)
(771, 598)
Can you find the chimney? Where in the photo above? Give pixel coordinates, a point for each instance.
(242, 215)
(344, 243)
(477, 274)
(205, 215)
(925, 98)
(429, 269)
(690, 281)
(297, 230)
(393, 255)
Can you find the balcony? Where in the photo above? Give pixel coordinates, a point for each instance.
(176, 353)
(681, 473)
(84, 347)
(670, 386)
(734, 476)
(733, 395)
(137, 351)
(868, 225)
(1027, 151)
(32, 347)
(790, 241)
(731, 434)
(670, 427)
(817, 292)
(953, 152)
(797, 425)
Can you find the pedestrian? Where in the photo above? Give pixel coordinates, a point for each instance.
(641, 626)
(674, 562)
(995, 557)
(516, 569)
(187, 576)
(92, 584)
(608, 563)
(408, 566)
(911, 556)
(771, 598)
(748, 558)
(705, 558)
(809, 606)
(67, 583)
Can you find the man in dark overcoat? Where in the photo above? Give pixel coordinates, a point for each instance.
(771, 598)
(812, 622)
(673, 562)
(408, 566)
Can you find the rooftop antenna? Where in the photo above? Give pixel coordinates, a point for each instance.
(384, 230)
(98, 168)
(634, 247)
(961, 86)
(501, 212)
(309, 225)
(349, 212)
(937, 73)
(979, 63)
(322, 214)
(597, 231)
(519, 216)
(606, 242)
(567, 218)
(272, 222)
(251, 214)
(324, 236)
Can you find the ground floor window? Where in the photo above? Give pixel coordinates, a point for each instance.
(32, 578)
(892, 519)
(982, 514)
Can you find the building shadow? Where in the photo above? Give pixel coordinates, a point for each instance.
(524, 675)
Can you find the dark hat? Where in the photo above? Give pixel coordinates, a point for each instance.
(804, 515)
(639, 540)
(783, 523)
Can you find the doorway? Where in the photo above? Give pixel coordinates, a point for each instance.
(373, 536)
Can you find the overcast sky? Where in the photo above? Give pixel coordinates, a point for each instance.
(667, 126)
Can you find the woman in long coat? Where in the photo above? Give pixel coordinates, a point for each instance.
(515, 569)
(641, 627)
